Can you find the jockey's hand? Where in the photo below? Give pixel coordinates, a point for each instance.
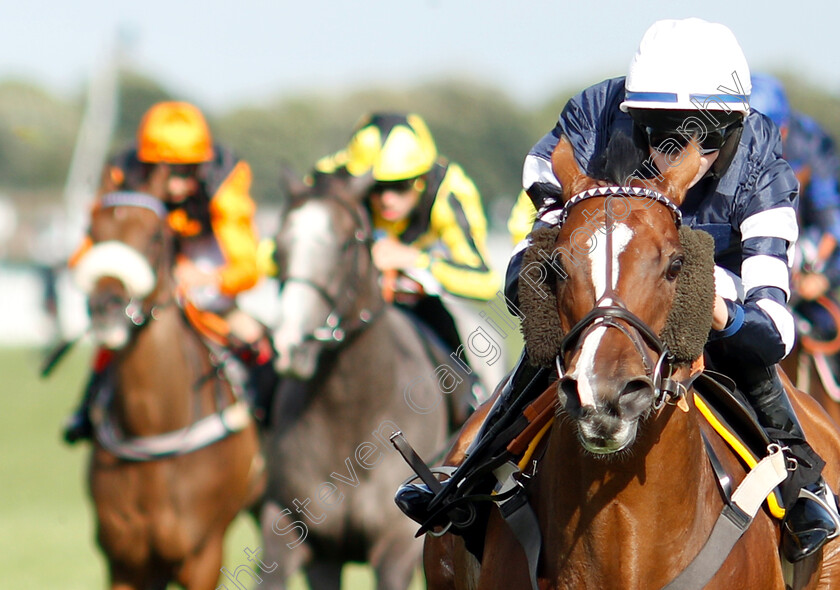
(720, 315)
(189, 275)
(390, 254)
(812, 285)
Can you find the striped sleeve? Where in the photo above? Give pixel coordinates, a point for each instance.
(537, 168)
(761, 325)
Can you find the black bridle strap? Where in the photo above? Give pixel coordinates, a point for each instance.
(612, 312)
(321, 291)
(558, 216)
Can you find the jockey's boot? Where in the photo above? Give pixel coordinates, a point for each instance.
(78, 425)
(263, 381)
(522, 383)
(812, 519)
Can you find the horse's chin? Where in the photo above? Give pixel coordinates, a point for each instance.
(112, 337)
(605, 445)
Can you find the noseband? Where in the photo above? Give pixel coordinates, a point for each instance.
(136, 310)
(610, 311)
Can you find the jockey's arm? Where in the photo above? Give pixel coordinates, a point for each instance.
(761, 326)
(232, 218)
(458, 219)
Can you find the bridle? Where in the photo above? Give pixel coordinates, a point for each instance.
(337, 329)
(140, 312)
(611, 312)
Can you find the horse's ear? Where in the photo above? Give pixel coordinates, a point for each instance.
(291, 184)
(107, 182)
(566, 169)
(683, 167)
(156, 185)
(359, 187)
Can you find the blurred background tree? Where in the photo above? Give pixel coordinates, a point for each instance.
(37, 132)
(474, 124)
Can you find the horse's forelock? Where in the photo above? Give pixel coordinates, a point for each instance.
(622, 160)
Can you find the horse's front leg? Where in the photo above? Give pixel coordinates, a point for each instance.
(201, 570)
(284, 548)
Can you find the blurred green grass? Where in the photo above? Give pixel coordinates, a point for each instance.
(46, 517)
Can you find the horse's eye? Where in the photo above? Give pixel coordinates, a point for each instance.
(674, 268)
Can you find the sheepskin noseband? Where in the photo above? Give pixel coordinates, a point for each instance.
(689, 319)
(115, 259)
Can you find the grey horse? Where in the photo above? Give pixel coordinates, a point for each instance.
(356, 369)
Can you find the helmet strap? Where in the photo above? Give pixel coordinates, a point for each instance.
(727, 152)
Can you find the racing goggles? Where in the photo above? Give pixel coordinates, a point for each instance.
(709, 140)
(397, 186)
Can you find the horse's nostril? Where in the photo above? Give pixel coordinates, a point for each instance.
(568, 393)
(635, 396)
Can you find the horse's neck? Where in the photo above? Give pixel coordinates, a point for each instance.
(156, 376)
(654, 495)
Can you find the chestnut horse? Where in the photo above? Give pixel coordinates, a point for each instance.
(175, 454)
(356, 370)
(624, 493)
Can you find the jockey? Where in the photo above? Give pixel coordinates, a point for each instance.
(689, 78)
(427, 217)
(212, 214)
(811, 153)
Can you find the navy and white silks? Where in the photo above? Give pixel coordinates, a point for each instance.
(750, 211)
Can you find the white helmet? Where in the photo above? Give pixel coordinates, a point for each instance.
(688, 64)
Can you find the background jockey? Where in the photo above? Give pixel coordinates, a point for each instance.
(689, 78)
(212, 215)
(429, 218)
(812, 154)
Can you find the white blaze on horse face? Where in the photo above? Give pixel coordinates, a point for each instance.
(599, 257)
(584, 370)
(313, 255)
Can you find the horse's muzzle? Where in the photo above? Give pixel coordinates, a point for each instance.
(607, 421)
